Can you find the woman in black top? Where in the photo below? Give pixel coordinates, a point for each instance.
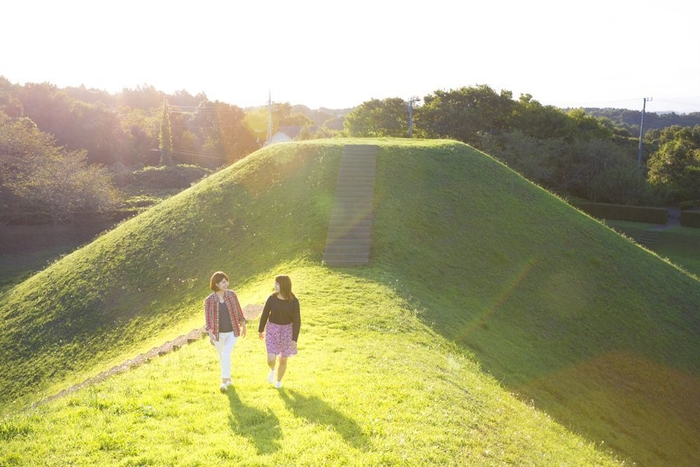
(283, 320)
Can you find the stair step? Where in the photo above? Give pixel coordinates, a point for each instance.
(334, 237)
(356, 185)
(344, 264)
(350, 229)
(347, 240)
(366, 169)
(355, 198)
(346, 251)
(351, 213)
(345, 203)
(342, 239)
(345, 257)
(346, 261)
(345, 223)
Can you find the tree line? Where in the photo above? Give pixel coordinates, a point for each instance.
(67, 150)
(570, 152)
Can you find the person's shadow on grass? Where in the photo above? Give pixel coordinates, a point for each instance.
(317, 411)
(261, 427)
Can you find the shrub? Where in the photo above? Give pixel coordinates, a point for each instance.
(690, 218)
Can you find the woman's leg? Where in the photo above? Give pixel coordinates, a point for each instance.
(281, 368)
(271, 360)
(271, 363)
(226, 343)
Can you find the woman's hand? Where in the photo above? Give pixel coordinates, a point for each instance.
(261, 335)
(212, 338)
(243, 330)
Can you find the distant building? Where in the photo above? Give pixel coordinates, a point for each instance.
(285, 134)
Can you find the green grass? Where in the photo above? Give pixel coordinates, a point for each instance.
(16, 268)
(27, 249)
(375, 387)
(593, 340)
(680, 245)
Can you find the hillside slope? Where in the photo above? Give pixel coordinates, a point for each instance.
(598, 332)
(371, 386)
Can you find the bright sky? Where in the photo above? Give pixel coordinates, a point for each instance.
(324, 53)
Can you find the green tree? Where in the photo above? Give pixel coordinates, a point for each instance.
(584, 167)
(165, 139)
(675, 166)
(297, 119)
(9, 103)
(378, 118)
(236, 140)
(532, 157)
(22, 145)
(222, 129)
(37, 175)
(48, 107)
(142, 129)
(144, 97)
(97, 130)
(620, 182)
(586, 127)
(76, 124)
(538, 121)
(465, 114)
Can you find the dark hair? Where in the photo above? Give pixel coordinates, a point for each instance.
(285, 286)
(217, 277)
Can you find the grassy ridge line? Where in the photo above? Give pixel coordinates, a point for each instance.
(372, 385)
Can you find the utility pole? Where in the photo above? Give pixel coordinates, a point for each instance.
(269, 117)
(641, 131)
(410, 115)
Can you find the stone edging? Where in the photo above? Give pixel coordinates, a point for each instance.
(249, 311)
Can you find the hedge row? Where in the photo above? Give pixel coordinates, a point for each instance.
(690, 218)
(625, 213)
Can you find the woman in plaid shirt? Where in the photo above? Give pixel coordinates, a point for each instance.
(224, 322)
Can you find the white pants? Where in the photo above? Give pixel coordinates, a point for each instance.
(224, 346)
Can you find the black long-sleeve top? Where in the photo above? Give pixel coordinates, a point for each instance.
(281, 312)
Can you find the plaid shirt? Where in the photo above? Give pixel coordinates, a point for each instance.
(211, 312)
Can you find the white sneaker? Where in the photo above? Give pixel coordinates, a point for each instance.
(229, 383)
(271, 376)
(223, 387)
(278, 384)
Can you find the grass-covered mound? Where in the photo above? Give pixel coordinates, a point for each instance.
(139, 283)
(596, 331)
(372, 386)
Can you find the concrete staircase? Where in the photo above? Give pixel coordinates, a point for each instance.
(350, 228)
